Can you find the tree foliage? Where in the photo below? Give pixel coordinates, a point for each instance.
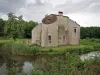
(16, 27)
(2, 23)
(28, 28)
(90, 32)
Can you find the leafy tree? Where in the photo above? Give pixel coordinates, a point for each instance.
(90, 32)
(14, 26)
(20, 26)
(28, 28)
(2, 23)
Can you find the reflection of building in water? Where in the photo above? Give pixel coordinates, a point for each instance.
(56, 30)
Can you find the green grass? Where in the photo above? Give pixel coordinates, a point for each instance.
(86, 45)
(19, 47)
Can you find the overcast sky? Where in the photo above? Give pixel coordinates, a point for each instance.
(84, 12)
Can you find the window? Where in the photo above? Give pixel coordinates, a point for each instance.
(75, 30)
(49, 37)
(63, 37)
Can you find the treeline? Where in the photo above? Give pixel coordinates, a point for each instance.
(90, 32)
(16, 27)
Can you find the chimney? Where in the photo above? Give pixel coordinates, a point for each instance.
(60, 13)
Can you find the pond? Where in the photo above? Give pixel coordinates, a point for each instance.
(16, 65)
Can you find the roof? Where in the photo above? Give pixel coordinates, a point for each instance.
(48, 19)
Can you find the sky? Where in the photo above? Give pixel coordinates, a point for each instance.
(84, 12)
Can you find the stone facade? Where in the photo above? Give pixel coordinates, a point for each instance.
(56, 30)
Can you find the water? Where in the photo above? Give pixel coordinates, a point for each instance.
(28, 67)
(90, 55)
(9, 66)
(16, 65)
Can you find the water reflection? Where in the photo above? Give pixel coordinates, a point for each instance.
(3, 69)
(16, 65)
(28, 67)
(90, 55)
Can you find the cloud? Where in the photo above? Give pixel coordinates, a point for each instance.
(86, 19)
(7, 6)
(36, 10)
(85, 12)
(73, 6)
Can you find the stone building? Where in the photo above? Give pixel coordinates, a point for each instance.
(56, 30)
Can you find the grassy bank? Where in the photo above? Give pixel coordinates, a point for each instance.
(20, 48)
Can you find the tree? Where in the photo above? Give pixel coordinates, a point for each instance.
(2, 23)
(14, 26)
(90, 32)
(28, 28)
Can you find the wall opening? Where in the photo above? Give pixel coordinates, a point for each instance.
(49, 38)
(63, 38)
(75, 30)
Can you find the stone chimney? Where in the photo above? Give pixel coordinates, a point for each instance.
(60, 13)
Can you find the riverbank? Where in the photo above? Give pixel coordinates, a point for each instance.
(18, 47)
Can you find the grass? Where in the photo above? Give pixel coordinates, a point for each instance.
(20, 48)
(86, 45)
